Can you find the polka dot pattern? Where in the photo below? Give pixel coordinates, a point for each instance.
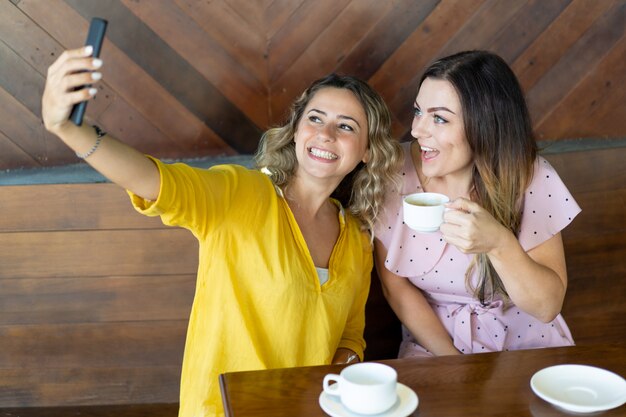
(438, 269)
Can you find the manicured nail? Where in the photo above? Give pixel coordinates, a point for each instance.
(96, 75)
(88, 49)
(93, 91)
(97, 63)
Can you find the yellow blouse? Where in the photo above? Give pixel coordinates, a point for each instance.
(258, 302)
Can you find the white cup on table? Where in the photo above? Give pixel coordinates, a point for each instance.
(364, 388)
(423, 212)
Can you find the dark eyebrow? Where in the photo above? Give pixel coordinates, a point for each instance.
(340, 116)
(432, 109)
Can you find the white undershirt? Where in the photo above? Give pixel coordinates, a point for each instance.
(322, 274)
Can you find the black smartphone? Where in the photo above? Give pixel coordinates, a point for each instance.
(97, 28)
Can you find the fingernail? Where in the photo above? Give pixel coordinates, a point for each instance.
(93, 91)
(96, 75)
(88, 49)
(97, 63)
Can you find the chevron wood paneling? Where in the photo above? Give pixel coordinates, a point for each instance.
(189, 78)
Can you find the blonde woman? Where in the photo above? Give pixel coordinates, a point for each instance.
(493, 277)
(284, 269)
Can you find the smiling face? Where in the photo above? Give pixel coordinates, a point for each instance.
(331, 136)
(438, 127)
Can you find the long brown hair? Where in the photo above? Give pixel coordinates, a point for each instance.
(499, 131)
(362, 190)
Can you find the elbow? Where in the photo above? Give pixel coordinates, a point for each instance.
(548, 313)
(547, 317)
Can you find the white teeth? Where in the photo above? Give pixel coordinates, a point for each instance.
(323, 154)
(426, 149)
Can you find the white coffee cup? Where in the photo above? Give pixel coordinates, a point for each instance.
(364, 388)
(423, 212)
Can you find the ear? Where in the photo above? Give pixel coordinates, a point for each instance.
(366, 156)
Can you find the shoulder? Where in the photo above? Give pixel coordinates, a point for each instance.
(548, 206)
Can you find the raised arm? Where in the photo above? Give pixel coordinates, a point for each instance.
(411, 307)
(115, 160)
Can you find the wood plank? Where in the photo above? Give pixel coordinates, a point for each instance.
(226, 26)
(397, 79)
(526, 26)
(575, 168)
(20, 80)
(122, 120)
(96, 299)
(582, 111)
(592, 253)
(326, 51)
(581, 59)
(277, 13)
(97, 345)
(603, 212)
(388, 33)
(133, 84)
(38, 50)
(97, 253)
(550, 46)
(594, 307)
(26, 131)
(88, 385)
(251, 11)
(26, 38)
(293, 37)
(490, 21)
(70, 207)
(12, 156)
(228, 80)
(607, 117)
(179, 77)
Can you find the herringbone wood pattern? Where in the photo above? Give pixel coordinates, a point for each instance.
(186, 78)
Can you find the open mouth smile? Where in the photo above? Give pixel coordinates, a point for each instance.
(320, 153)
(428, 153)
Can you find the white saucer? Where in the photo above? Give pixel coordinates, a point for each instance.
(404, 406)
(580, 388)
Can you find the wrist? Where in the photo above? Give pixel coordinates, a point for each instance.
(503, 242)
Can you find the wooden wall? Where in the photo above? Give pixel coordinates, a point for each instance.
(185, 78)
(94, 297)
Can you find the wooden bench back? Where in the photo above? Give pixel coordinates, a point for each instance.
(94, 298)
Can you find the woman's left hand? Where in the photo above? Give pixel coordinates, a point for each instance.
(471, 228)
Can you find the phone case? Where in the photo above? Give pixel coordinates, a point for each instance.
(95, 37)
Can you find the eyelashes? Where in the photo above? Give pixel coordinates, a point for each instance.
(417, 112)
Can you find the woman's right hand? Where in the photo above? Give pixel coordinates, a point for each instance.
(117, 161)
(73, 69)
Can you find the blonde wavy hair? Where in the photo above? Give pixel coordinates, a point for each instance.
(499, 131)
(363, 190)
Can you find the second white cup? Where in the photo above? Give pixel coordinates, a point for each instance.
(364, 388)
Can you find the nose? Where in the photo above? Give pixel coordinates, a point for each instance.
(327, 132)
(419, 127)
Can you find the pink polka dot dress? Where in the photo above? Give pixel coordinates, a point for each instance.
(438, 269)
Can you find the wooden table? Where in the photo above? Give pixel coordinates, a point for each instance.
(486, 384)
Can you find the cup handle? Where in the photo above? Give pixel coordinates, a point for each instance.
(328, 389)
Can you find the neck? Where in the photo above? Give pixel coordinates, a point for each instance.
(310, 200)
